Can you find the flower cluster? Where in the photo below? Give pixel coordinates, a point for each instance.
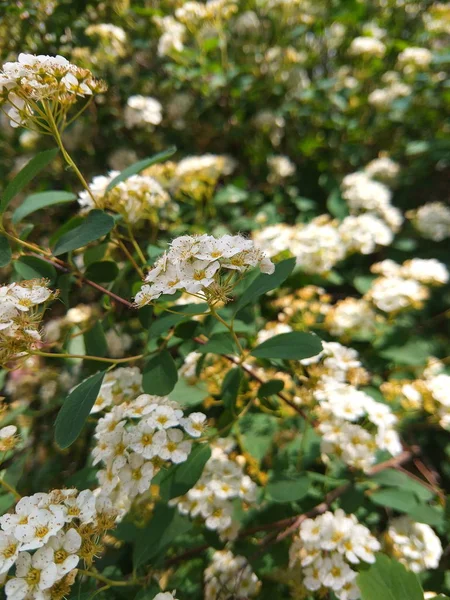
(138, 435)
(142, 111)
(321, 244)
(223, 481)
(350, 318)
(432, 221)
(20, 317)
(230, 576)
(354, 427)
(60, 528)
(138, 197)
(364, 193)
(197, 176)
(404, 286)
(202, 265)
(327, 547)
(42, 79)
(430, 392)
(413, 544)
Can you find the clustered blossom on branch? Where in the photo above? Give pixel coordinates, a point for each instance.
(33, 80)
(138, 197)
(212, 498)
(327, 547)
(230, 576)
(138, 435)
(20, 317)
(413, 544)
(61, 529)
(203, 266)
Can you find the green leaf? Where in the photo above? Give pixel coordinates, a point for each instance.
(25, 175)
(165, 322)
(294, 345)
(103, 271)
(76, 409)
(387, 579)
(183, 477)
(32, 267)
(95, 341)
(5, 252)
(401, 500)
(270, 388)
(189, 395)
(288, 489)
(221, 343)
(397, 479)
(336, 205)
(96, 225)
(165, 525)
(230, 388)
(139, 166)
(414, 352)
(264, 283)
(37, 201)
(257, 433)
(160, 374)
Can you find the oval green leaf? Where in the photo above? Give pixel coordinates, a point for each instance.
(32, 267)
(295, 345)
(160, 374)
(139, 166)
(76, 409)
(25, 175)
(96, 225)
(5, 252)
(37, 201)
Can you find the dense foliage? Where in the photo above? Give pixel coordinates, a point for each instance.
(224, 300)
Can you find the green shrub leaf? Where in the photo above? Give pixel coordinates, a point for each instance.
(160, 374)
(42, 200)
(76, 409)
(5, 252)
(32, 267)
(96, 225)
(288, 489)
(139, 166)
(264, 283)
(25, 175)
(294, 345)
(389, 580)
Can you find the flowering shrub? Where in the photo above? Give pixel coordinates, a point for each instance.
(224, 300)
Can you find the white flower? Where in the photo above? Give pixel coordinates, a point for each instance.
(414, 56)
(9, 551)
(81, 507)
(432, 221)
(40, 526)
(183, 268)
(138, 474)
(146, 440)
(415, 544)
(174, 448)
(368, 46)
(34, 574)
(194, 424)
(142, 110)
(392, 294)
(363, 233)
(65, 546)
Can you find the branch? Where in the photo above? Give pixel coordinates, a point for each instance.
(64, 268)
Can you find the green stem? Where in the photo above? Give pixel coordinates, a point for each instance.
(230, 328)
(67, 157)
(12, 490)
(136, 245)
(87, 357)
(103, 579)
